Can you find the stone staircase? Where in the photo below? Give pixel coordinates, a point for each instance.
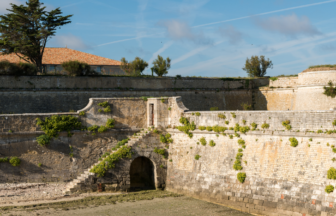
(76, 183)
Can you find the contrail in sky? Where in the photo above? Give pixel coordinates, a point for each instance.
(276, 11)
(240, 18)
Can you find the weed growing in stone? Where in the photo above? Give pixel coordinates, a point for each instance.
(100, 110)
(202, 128)
(187, 126)
(208, 128)
(241, 177)
(240, 150)
(166, 139)
(231, 136)
(39, 164)
(203, 141)
(241, 142)
(121, 143)
(161, 166)
(43, 140)
(170, 160)
(222, 116)
(213, 108)
(212, 143)
(256, 140)
(327, 144)
(244, 129)
(233, 115)
(237, 165)
(197, 157)
(236, 128)
(110, 161)
(236, 135)
(163, 100)
(310, 139)
(103, 104)
(82, 113)
(219, 129)
(244, 121)
(329, 189)
(265, 126)
(156, 131)
(331, 173)
(15, 161)
(197, 114)
(3, 160)
(102, 129)
(254, 126)
(294, 142)
(169, 108)
(227, 122)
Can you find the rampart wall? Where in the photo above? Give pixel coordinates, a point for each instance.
(285, 82)
(45, 94)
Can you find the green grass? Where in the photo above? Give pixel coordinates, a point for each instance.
(319, 66)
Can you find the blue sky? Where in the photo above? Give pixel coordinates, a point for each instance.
(209, 38)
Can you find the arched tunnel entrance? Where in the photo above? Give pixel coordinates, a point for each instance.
(142, 174)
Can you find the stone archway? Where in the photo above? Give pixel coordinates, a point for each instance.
(142, 174)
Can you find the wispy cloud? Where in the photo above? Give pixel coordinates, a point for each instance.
(179, 30)
(290, 25)
(71, 41)
(73, 4)
(265, 13)
(231, 33)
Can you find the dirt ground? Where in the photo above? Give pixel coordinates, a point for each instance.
(144, 203)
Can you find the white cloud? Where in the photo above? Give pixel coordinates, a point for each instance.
(290, 25)
(231, 33)
(179, 30)
(5, 4)
(71, 41)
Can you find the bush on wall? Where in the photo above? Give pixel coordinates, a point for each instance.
(329, 189)
(241, 177)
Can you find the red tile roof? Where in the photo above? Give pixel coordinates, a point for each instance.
(57, 56)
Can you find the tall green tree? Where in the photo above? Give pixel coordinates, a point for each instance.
(161, 66)
(135, 67)
(257, 66)
(26, 30)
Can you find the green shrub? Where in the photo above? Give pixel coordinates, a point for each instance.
(334, 123)
(209, 128)
(100, 110)
(163, 100)
(239, 156)
(246, 106)
(77, 68)
(82, 113)
(15, 161)
(254, 126)
(197, 157)
(237, 165)
(166, 139)
(241, 177)
(102, 129)
(218, 129)
(288, 127)
(310, 139)
(227, 122)
(273, 78)
(107, 109)
(212, 143)
(244, 129)
(203, 141)
(236, 128)
(233, 115)
(244, 121)
(169, 108)
(197, 114)
(93, 128)
(332, 173)
(3, 160)
(222, 116)
(55, 124)
(330, 90)
(236, 135)
(285, 123)
(20, 69)
(329, 189)
(240, 150)
(120, 144)
(109, 162)
(187, 126)
(319, 131)
(156, 131)
(213, 108)
(265, 126)
(231, 136)
(104, 104)
(294, 142)
(110, 123)
(160, 151)
(202, 128)
(241, 142)
(43, 140)
(39, 164)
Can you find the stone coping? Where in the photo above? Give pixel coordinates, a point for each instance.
(262, 111)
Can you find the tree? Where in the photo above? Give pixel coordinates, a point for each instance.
(26, 30)
(77, 68)
(134, 68)
(257, 66)
(161, 66)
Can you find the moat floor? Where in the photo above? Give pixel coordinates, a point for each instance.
(148, 203)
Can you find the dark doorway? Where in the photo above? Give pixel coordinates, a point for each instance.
(151, 114)
(142, 174)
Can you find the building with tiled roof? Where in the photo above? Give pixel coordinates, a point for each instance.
(54, 57)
